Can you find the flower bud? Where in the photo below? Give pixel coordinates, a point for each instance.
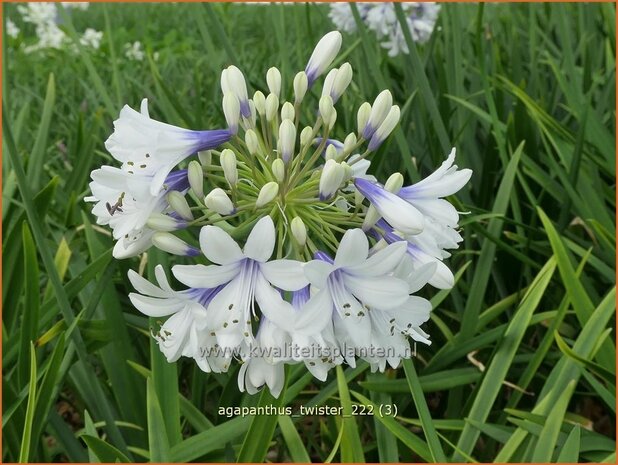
(323, 55)
(300, 87)
(166, 223)
(195, 174)
(326, 108)
(341, 82)
(333, 119)
(228, 163)
(379, 110)
(171, 244)
(331, 152)
(394, 183)
(233, 81)
(231, 110)
(205, 157)
(349, 143)
(272, 105)
(218, 201)
(287, 139)
(179, 204)
(260, 102)
(249, 122)
(363, 116)
(267, 193)
(331, 179)
(299, 231)
(306, 135)
(273, 79)
(327, 88)
(278, 168)
(385, 128)
(348, 172)
(252, 142)
(287, 111)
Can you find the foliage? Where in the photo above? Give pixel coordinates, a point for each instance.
(522, 365)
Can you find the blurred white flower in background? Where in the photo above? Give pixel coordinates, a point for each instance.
(76, 5)
(134, 51)
(38, 13)
(45, 17)
(91, 38)
(382, 20)
(11, 29)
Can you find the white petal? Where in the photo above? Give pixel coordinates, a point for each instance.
(276, 379)
(379, 292)
(317, 272)
(443, 277)
(441, 211)
(218, 246)
(126, 249)
(155, 307)
(353, 249)
(261, 241)
(358, 330)
(144, 108)
(205, 276)
(162, 279)
(421, 276)
(381, 262)
(226, 307)
(272, 305)
(285, 274)
(143, 286)
(315, 314)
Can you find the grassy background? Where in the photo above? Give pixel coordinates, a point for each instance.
(522, 365)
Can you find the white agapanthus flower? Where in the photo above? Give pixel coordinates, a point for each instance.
(265, 205)
(421, 19)
(147, 147)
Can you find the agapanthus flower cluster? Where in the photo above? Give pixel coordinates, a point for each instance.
(293, 252)
(45, 18)
(381, 19)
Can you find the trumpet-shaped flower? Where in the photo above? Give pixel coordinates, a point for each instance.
(147, 147)
(124, 202)
(442, 277)
(427, 194)
(185, 332)
(354, 282)
(248, 278)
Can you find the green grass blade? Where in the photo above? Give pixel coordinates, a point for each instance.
(30, 314)
(498, 368)
(409, 439)
(423, 412)
(105, 452)
(157, 435)
(480, 280)
(549, 435)
(570, 451)
(257, 440)
(351, 445)
(292, 439)
(26, 438)
(37, 155)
